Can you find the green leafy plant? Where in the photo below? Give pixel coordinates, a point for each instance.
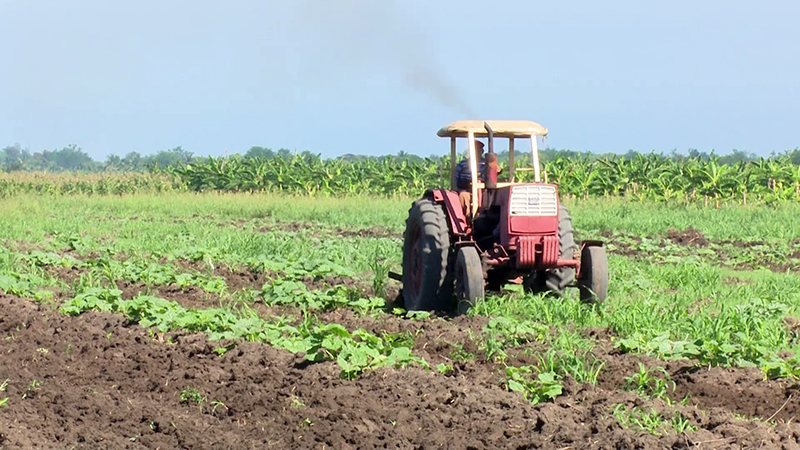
(444, 369)
(541, 387)
(513, 332)
(192, 395)
(459, 354)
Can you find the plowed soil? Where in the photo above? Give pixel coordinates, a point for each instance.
(106, 384)
(689, 236)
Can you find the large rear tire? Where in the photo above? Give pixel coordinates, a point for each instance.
(555, 281)
(427, 275)
(470, 285)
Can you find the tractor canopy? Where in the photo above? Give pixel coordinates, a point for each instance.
(492, 129)
(500, 128)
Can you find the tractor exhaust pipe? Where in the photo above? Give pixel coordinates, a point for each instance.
(491, 136)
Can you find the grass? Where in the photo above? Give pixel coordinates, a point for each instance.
(651, 421)
(654, 382)
(590, 216)
(163, 231)
(648, 219)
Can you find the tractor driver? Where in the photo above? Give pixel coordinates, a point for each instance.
(464, 178)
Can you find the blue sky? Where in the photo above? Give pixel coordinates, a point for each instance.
(377, 77)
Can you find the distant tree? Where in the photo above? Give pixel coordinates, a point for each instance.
(349, 157)
(132, 162)
(14, 157)
(260, 152)
(704, 156)
(631, 154)
(169, 158)
(308, 156)
(70, 158)
(794, 155)
(737, 156)
(403, 156)
(113, 162)
(11, 153)
(675, 156)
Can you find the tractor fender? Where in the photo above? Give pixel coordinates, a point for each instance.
(452, 206)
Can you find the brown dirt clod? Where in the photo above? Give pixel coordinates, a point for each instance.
(687, 237)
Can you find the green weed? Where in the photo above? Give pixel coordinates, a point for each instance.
(192, 395)
(534, 385)
(648, 385)
(651, 421)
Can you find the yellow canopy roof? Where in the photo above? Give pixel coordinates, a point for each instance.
(500, 128)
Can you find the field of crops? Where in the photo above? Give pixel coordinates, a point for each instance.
(653, 177)
(646, 177)
(238, 320)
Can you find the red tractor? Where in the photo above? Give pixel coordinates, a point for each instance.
(454, 252)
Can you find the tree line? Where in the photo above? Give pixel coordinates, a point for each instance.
(74, 159)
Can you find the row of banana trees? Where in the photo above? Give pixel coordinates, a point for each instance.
(646, 177)
(312, 175)
(650, 177)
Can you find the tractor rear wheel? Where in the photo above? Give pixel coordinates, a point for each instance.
(470, 285)
(593, 282)
(427, 275)
(555, 281)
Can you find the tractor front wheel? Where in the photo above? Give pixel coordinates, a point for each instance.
(593, 281)
(427, 275)
(470, 287)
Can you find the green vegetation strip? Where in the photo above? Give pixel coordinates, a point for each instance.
(667, 178)
(276, 250)
(167, 221)
(282, 289)
(653, 177)
(152, 272)
(354, 352)
(682, 311)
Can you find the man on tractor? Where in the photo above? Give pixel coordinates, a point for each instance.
(464, 178)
